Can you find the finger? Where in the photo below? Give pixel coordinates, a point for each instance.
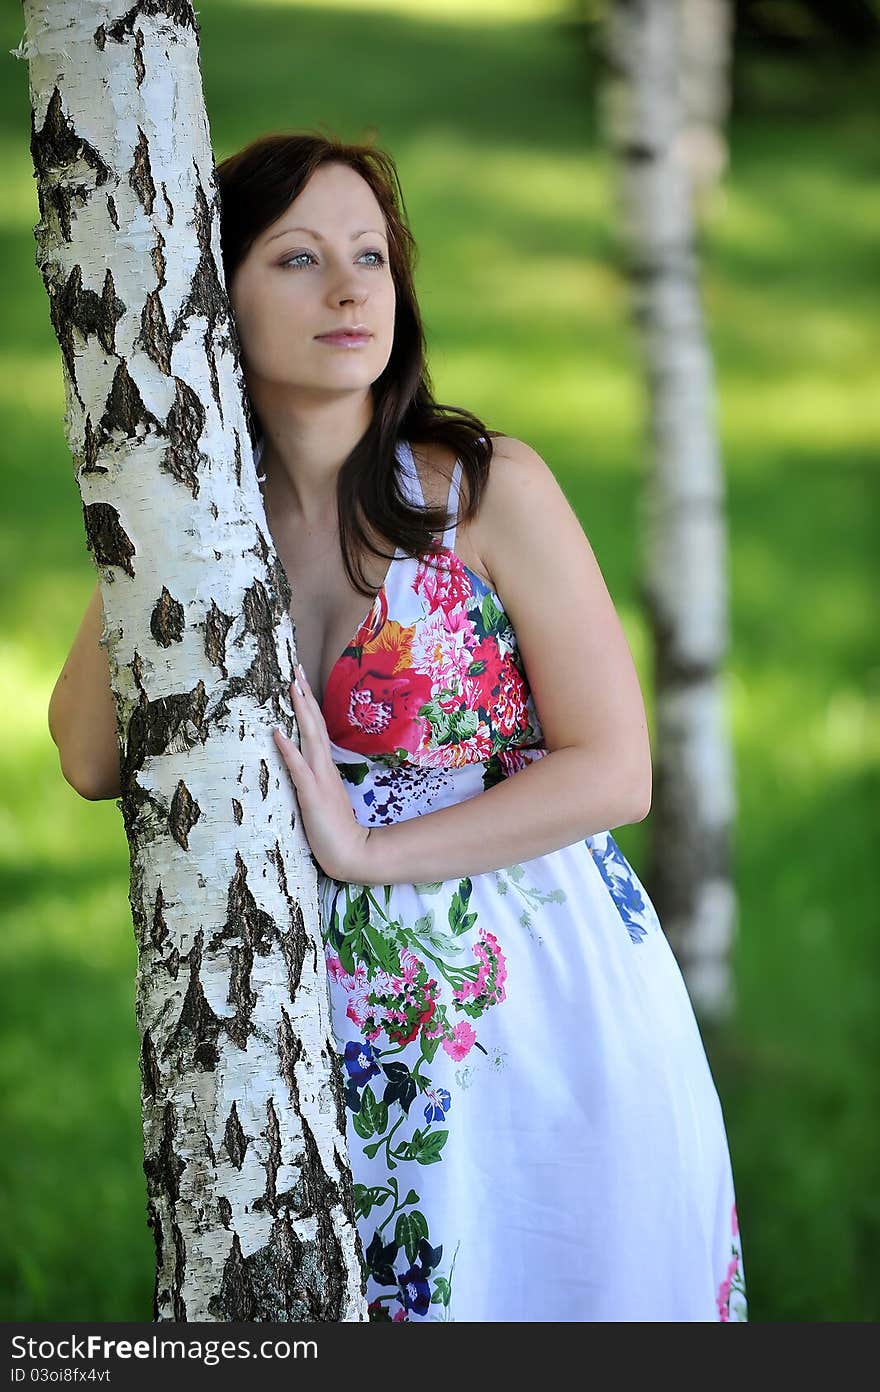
(311, 699)
(311, 718)
(309, 727)
(293, 757)
(282, 743)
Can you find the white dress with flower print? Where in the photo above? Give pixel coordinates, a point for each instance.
(532, 1124)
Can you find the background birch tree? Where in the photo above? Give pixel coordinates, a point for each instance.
(663, 101)
(250, 1195)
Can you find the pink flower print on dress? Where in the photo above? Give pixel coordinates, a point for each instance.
(399, 1005)
(355, 984)
(441, 649)
(475, 749)
(722, 1299)
(409, 964)
(462, 1041)
(488, 988)
(495, 959)
(442, 581)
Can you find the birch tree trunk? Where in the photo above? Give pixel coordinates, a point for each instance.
(705, 43)
(684, 582)
(250, 1196)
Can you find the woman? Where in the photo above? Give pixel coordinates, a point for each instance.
(533, 1129)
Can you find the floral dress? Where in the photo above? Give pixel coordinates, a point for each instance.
(533, 1129)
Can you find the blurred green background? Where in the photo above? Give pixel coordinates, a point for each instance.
(489, 108)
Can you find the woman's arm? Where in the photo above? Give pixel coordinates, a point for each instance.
(583, 681)
(566, 796)
(82, 712)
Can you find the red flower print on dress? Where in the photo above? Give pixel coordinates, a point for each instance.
(498, 689)
(368, 702)
(512, 760)
(509, 712)
(480, 684)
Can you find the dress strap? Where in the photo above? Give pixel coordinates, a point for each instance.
(452, 507)
(409, 474)
(412, 483)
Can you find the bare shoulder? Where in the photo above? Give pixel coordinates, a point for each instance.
(518, 483)
(522, 496)
(515, 465)
(435, 463)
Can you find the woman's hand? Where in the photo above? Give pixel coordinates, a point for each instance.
(337, 840)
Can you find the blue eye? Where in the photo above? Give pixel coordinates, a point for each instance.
(297, 255)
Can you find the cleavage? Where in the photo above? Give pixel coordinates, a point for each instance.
(322, 637)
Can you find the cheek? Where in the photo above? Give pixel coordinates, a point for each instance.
(389, 305)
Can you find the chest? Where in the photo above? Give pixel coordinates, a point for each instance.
(325, 609)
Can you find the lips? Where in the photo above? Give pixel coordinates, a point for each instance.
(346, 336)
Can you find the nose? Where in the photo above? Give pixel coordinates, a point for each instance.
(349, 295)
(348, 289)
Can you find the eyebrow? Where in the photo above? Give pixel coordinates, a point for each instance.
(317, 236)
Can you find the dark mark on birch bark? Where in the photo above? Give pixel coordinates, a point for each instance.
(171, 723)
(150, 1075)
(106, 537)
(158, 927)
(194, 1036)
(166, 621)
(140, 176)
(217, 625)
(183, 814)
(164, 1167)
(234, 1138)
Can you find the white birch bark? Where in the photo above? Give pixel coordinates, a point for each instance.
(250, 1195)
(705, 42)
(685, 562)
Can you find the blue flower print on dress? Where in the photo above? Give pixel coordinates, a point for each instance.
(622, 883)
(415, 1290)
(360, 1061)
(438, 1104)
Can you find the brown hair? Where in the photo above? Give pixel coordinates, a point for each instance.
(256, 186)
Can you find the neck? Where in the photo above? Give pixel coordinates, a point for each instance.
(304, 447)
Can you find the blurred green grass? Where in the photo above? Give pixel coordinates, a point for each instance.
(489, 110)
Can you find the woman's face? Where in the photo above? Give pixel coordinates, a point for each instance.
(294, 285)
